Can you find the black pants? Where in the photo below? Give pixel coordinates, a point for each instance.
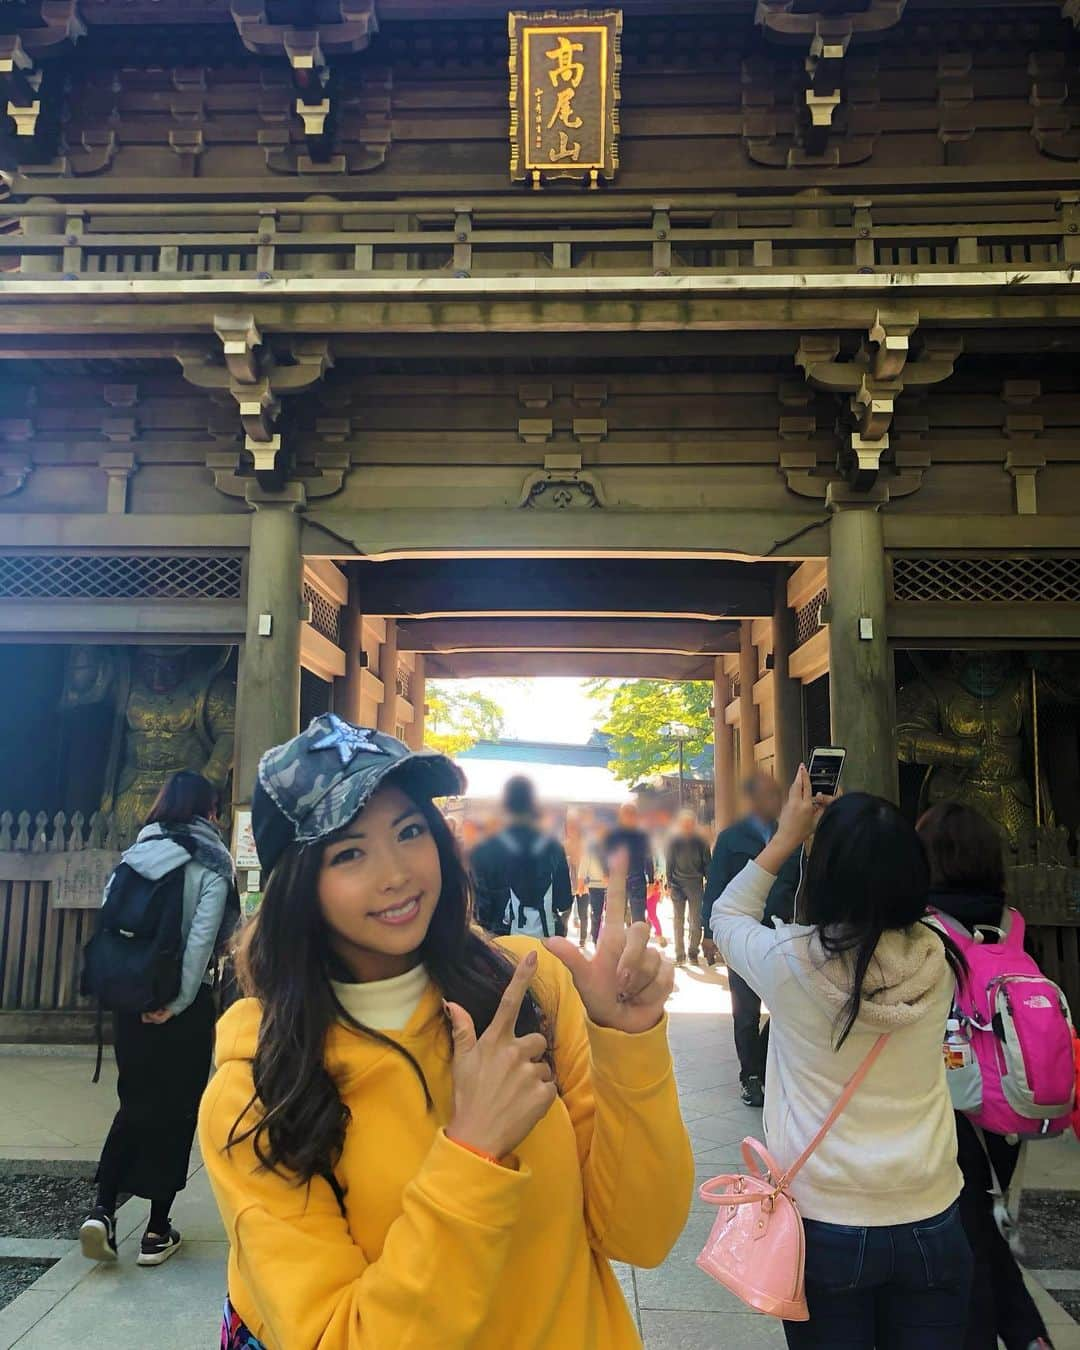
(635, 899)
(162, 1073)
(687, 910)
(593, 900)
(751, 1041)
(1000, 1303)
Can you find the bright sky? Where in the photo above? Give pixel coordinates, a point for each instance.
(543, 709)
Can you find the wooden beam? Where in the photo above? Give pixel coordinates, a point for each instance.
(582, 665)
(1004, 624)
(122, 620)
(600, 587)
(947, 534)
(319, 655)
(747, 301)
(26, 529)
(684, 637)
(702, 536)
(810, 661)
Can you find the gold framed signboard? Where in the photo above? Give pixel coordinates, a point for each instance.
(564, 95)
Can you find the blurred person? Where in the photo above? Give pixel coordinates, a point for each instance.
(967, 885)
(521, 875)
(641, 870)
(407, 1115)
(574, 843)
(734, 848)
(469, 835)
(686, 867)
(163, 1055)
(653, 893)
(863, 982)
(594, 873)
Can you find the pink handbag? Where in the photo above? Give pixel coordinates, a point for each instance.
(756, 1247)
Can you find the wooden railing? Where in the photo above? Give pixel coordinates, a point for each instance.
(523, 236)
(52, 871)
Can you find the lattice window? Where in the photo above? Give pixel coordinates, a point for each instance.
(808, 617)
(113, 576)
(404, 682)
(325, 615)
(1000, 580)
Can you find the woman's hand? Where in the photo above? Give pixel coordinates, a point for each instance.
(798, 821)
(626, 984)
(155, 1019)
(502, 1086)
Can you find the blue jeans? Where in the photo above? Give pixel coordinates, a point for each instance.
(899, 1288)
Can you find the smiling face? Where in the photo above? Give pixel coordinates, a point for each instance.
(379, 884)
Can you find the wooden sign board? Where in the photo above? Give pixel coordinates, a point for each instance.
(81, 877)
(564, 95)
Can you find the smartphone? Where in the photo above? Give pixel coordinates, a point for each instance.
(825, 768)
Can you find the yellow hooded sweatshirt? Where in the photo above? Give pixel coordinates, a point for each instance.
(440, 1249)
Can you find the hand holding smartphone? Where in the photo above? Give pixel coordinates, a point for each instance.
(825, 767)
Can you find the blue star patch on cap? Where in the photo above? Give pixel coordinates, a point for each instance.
(347, 740)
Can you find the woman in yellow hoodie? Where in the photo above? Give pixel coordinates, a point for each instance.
(417, 1136)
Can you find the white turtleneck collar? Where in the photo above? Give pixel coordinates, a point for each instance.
(384, 1005)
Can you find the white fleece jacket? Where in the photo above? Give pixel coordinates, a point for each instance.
(891, 1157)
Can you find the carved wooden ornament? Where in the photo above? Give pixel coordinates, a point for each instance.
(564, 95)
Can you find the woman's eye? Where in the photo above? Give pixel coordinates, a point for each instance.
(413, 831)
(346, 855)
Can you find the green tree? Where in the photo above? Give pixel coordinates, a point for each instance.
(635, 712)
(458, 717)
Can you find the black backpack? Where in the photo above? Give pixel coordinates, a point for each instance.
(530, 877)
(133, 961)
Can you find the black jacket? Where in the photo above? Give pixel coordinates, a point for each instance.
(641, 870)
(734, 848)
(495, 867)
(687, 863)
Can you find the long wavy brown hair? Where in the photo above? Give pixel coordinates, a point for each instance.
(284, 959)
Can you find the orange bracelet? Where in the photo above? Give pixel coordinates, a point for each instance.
(477, 1152)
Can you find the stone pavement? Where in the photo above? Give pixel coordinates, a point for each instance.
(50, 1110)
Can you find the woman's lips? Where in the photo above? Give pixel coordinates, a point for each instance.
(399, 914)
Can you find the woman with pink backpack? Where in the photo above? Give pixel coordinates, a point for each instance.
(968, 896)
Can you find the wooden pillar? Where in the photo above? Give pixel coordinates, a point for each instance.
(748, 714)
(348, 690)
(787, 692)
(388, 664)
(723, 750)
(861, 688)
(414, 735)
(268, 698)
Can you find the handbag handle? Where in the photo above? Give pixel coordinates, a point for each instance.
(838, 1110)
(759, 1160)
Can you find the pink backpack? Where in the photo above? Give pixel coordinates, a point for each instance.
(1023, 1075)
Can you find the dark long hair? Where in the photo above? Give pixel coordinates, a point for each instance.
(285, 960)
(184, 796)
(964, 849)
(867, 874)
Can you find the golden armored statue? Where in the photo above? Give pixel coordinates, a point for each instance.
(171, 712)
(967, 724)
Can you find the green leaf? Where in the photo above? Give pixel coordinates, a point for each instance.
(457, 718)
(637, 709)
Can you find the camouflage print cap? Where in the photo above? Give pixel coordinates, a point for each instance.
(316, 783)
